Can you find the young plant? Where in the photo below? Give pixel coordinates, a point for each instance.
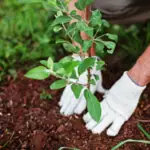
(69, 70)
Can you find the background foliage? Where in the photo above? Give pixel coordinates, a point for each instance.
(25, 34)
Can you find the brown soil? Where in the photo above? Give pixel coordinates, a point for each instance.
(29, 123)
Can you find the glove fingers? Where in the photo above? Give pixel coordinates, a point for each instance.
(105, 122)
(81, 106)
(116, 126)
(71, 106)
(66, 103)
(66, 95)
(91, 124)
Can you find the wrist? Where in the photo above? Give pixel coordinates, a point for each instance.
(138, 74)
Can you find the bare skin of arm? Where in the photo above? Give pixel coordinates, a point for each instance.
(140, 72)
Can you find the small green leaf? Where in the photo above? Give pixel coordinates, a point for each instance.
(110, 45)
(61, 20)
(70, 47)
(82, 26)
(69, 66)
(46, 96)
(73, 13)
(96, 18)
(58, 84)
(57, 66)
(66, 59)
(82, 4)
(112, 36)
(57, 29)
(76, 88)
(44, 63)
(100, 47)
(93, 105)
(92, 81)
(96, 77)
(86, 45)
(77, 37)
(60, 41)
(74, 75)
(100, 65)
(105, 23)
(85, 64)
(50, 63)
(39, 73)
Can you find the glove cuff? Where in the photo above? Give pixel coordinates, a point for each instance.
(124, 96)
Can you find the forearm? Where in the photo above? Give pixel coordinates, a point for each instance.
(140, 72)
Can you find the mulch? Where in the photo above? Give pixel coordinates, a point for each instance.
(30, 123)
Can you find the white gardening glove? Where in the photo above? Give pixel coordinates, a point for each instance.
(69, 104)
(118, 105)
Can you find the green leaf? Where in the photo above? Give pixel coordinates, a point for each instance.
(85, 64)
(66, 59)
(50, 63)
(100, 47)
(129, 141)
(69, 66)
(46, 96)
(76, 88)
(82, 4)
(105, 23)
(96, 77)
(58, 84)
(100, 65)
(93, 105)
(96, 18)
(86, 45)
(70, 47)
(57, 66)
(77, 37)
(110, 45)
(92, 81)
(57, 29)
(38, 73)
(60, 41)
(71, 28)
(74, 74)
(82, 26)
(112, 36)
(61, 20)
(44, 63)
(143, 130)
(73, 13)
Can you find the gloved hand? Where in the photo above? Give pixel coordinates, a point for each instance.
(118, 105)
(69, 104)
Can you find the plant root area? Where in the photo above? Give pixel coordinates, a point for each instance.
(30, 123)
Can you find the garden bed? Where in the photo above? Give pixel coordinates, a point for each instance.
(27, 122)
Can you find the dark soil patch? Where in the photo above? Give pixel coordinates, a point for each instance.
(29, 123)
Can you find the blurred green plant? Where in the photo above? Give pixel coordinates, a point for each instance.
(132, 40)
(25, 35)
(45, 95)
